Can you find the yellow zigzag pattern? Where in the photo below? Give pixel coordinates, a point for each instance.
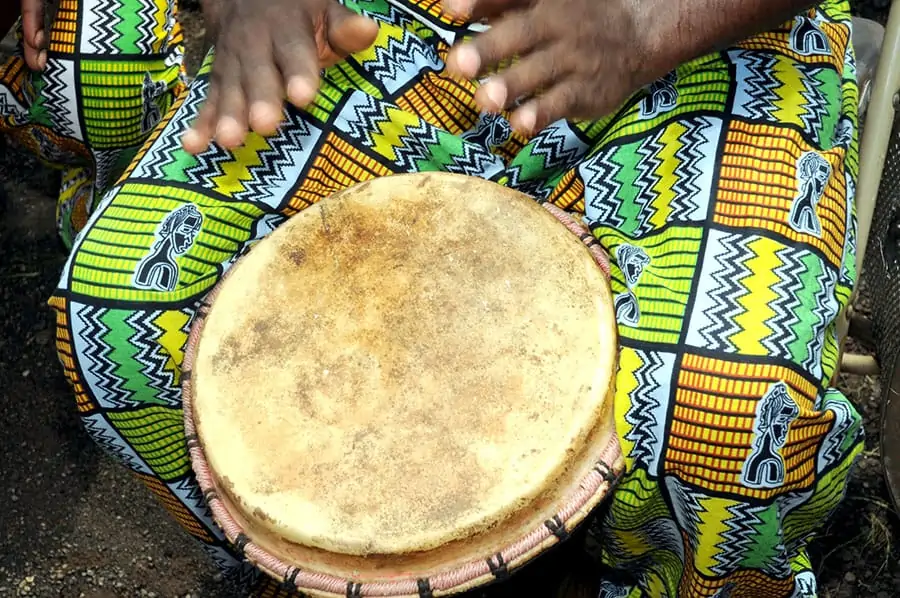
(385, 34)
(160, 35)
(626, 383)
(671, 143)
(757, 303)
(173, 340)
(238, 170)
(790, 105)
(390, 133)
(711, 527)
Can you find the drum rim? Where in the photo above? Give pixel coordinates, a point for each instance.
(591, 491)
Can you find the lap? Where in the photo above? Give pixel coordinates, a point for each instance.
(723, 193)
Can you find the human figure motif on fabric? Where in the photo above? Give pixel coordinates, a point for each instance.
(632, 261)
(764, 467)
(813, 172)
(492, 131)
(159, 270)
(807, 38)
(806, 586)
(662, 96)
(150, 93)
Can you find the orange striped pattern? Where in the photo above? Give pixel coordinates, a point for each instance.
(712, 425)
(175, 507)
(569, 193)
(66, 353)
(433, 9)
(442, 102)
(758, 185)
(25, 135)
(13, 74)
(62, 35)
(779, 41)
(338, 166)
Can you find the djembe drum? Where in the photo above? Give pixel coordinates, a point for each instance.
(406, 390)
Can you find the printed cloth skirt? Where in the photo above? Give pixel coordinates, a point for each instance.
(723, 193)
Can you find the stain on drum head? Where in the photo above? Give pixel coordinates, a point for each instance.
(408, 364)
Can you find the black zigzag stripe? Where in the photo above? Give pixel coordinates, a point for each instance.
(104, 27)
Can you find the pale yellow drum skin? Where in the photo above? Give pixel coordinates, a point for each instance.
(410, 366)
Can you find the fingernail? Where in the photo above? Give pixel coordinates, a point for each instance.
(264, 117)
(525, 119)
(299, 91)
(495, 92)
(229, 132)
(191, 140)
(467, 60)
(42, 59)
(458, 8)
(40, 38)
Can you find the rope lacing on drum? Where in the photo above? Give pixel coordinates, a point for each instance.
(210, 495)
(499, 569)
(558, 528)
(605, 472)
(240, 543)
(425, 589)
(289, 584)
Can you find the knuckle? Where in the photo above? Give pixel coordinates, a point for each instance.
(488, 45)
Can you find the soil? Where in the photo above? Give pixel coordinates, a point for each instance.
(75, 524)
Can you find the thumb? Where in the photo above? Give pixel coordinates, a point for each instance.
(33, 34)
(349, 32)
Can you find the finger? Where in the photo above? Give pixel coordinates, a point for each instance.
(513, 35)
(197, 139)
(349, 32)
(296, 55)
(458, 9)
(33, 34)
(537, 70)
(475, 10)
(229, 123)
(32, 21)
(263, 86)
(566, 99)
(232, 127)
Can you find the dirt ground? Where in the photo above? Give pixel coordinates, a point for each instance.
(74, 524)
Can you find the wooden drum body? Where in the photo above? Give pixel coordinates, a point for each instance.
(407, 389)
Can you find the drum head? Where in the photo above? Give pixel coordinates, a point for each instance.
(414, 368)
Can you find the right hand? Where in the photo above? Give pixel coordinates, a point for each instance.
(266, 52)
(34, 38)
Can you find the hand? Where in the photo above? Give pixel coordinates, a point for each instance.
(576, 58)
(34, 38)
(266, 51)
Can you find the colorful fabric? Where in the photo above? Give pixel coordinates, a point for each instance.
(113, 69)
(723, 192)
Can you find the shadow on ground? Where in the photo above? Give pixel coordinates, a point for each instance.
(73, 523)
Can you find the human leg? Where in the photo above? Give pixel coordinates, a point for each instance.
(725, 197)
(165, 234)
(113, 70)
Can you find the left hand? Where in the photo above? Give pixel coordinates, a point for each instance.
(576, 58)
